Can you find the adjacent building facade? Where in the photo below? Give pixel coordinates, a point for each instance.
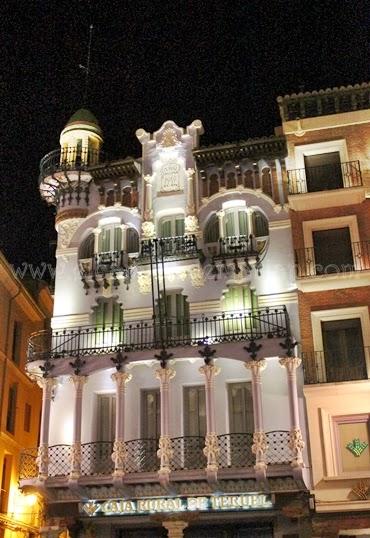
(20, 399)
(174, 401)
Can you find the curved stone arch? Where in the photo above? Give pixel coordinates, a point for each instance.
(249, 196)
(92, 221)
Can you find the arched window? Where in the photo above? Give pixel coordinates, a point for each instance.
(110, 238)
(109, 201)
(212, 230)
(171, 226)
(86, 249)
(132, 241)
(260, 224)
(236, 222)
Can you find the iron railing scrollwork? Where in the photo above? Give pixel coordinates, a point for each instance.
(235, 451)
(150, 334)
(325, 177)
(168, 248)
(330, 367)
(308, 265)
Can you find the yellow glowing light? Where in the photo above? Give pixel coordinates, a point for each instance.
(31, 499)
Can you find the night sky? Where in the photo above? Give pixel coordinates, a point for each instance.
(224, 62)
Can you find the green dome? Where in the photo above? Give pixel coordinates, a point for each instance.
(83, 116)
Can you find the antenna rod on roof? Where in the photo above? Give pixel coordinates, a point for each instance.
(86, 67)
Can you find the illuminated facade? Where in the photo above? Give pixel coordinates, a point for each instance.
(329, 188)
(173, 399)
(20, 315)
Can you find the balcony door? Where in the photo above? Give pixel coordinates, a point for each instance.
(333, 251)
(241, 423)
(174, 310)
(343, 350)
(100, 452)
(146, 453)
(323, 171)
(195, 426)
(236, 222)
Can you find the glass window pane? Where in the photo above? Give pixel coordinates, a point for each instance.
(117, 239)
(229, 224)
(179, 226)
(243, 223)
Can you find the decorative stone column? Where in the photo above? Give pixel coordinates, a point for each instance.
(221, 215)
(47, 385)
(79, 382)
(175, 528)
(124, 237)
(211, 449)
(165, 452)
(190, 187)
(96, 232)
(119, 448)
(260, 446)
(148, 212)
(296, 442)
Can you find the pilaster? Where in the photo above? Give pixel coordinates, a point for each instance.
(211, 450)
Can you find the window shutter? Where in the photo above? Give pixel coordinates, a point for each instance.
(229, 224)
(179, 226)
(117, 239)
(243, 223)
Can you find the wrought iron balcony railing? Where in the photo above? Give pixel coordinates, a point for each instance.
(103, 263)
(154, 334)
(169, 248)
(141, 455)
(329, 367)
(325, 177)
(66, 159)
(307, 265)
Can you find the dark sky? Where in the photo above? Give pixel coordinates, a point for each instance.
(224, 62)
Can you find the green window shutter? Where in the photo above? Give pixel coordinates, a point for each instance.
(243, 223)
(212, 233)
(179, 226)
(104, 240)
(165, 228)
(99, 314)
(229, 224)
(117, 239)
(116, 321)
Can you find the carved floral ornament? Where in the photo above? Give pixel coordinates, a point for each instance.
(196, 275)
(66, 230)
(169, 138)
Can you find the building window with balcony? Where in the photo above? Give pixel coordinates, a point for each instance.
(332, 251)
(323, 171)
(195, 428)
(147, 446)
(343, 350)
(232, 227)
(108, 313)
(173, 316)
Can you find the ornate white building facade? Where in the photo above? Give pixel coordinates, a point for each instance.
(172, 387)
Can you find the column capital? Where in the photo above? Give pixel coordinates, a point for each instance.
(290, 363)
(78, 381)
(97, 231)
(46, 383)
(175, 528)
(220, 213)
(121, 378)
(148, 178)
(190, 173)
(256, 367)
(164, 375)
(209, 371)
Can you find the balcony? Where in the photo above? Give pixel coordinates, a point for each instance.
(306, 265)
(325, 177)
(326, 367)
(176, 248)
(235, 453)
(67, 159)
(213, 328)
(105, 263)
